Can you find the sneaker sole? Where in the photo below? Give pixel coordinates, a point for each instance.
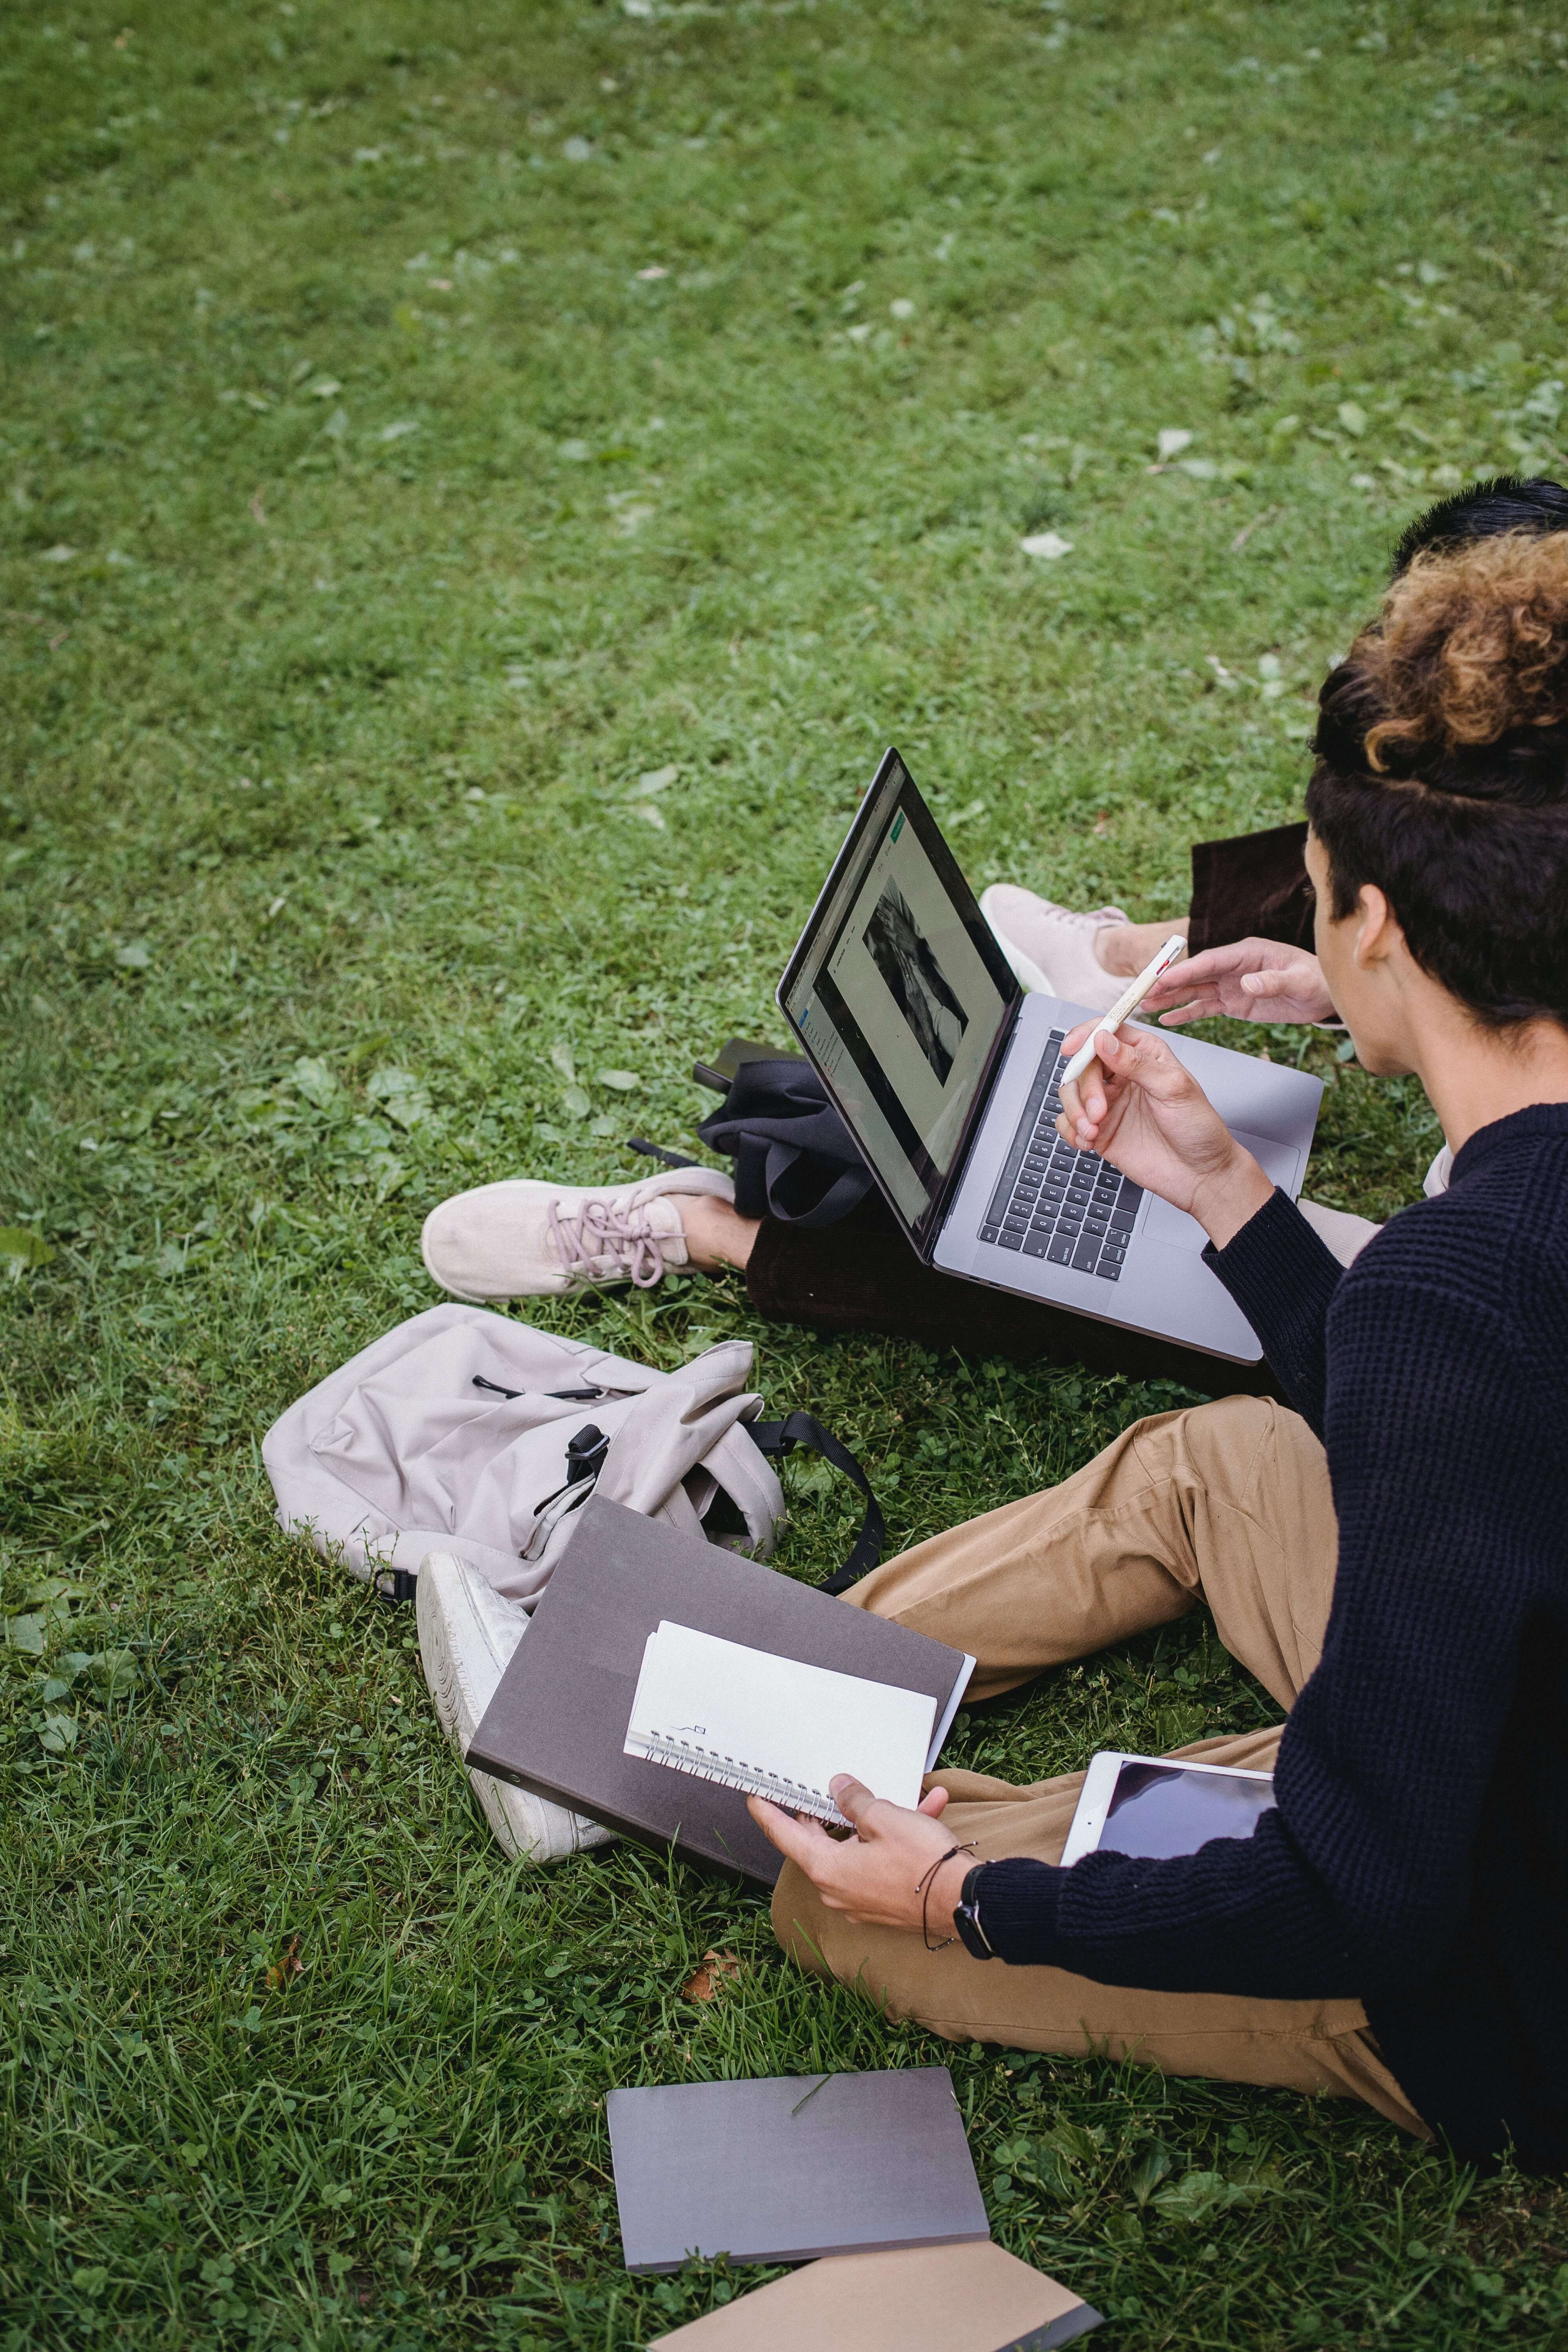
(526, 1827)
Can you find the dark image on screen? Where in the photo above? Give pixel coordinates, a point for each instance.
(1158, 1810)
(916, 981)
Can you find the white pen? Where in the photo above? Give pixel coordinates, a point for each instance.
(1125, 1006)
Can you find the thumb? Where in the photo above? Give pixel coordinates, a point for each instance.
(852, 1797)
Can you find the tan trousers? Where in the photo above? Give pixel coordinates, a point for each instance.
(1228, 1503)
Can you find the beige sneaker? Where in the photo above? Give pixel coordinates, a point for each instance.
(1050, 948)
(529, 1239)
(467, 1635)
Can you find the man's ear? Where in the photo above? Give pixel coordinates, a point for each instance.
(1376, 928)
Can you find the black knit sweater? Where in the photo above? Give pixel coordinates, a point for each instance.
(1418, 1857)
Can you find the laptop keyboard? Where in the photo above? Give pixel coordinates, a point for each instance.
(1069, 1207)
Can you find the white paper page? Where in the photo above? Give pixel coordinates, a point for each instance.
(748, 1719)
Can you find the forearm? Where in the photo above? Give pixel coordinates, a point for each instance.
(1283, 1278)
(1245, 1916)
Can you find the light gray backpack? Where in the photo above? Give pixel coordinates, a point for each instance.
(467, 1432)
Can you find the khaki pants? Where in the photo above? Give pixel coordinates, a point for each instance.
(1228, 1503)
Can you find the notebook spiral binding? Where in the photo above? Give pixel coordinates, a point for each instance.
(730, 1772)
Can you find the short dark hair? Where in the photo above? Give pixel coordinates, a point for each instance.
(1442, 760)
(1486, 510)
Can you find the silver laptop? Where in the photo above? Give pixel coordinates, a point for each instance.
(945, 1073)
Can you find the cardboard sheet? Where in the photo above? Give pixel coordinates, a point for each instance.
(975, 2298)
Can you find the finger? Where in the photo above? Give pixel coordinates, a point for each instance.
(933, 1803)
(1197, 972)
(1195, 1011)
(852, 1797)
(803, 1841)
(1143, 1059)
(1073, 1123)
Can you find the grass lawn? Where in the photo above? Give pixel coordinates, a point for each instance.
(422, 423)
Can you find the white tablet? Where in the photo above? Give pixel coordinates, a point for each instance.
(1159, 1806)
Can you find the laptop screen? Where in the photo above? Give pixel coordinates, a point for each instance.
(899, 993)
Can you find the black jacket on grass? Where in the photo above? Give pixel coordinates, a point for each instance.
(1418, 1856)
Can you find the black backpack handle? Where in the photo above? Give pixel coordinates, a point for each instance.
(776, 1438)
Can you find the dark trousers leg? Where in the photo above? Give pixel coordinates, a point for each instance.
(1253, 886)
(862, 1275)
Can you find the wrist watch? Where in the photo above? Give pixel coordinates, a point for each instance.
(967, 1917)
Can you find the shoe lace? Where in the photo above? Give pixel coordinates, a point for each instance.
(605, 1229)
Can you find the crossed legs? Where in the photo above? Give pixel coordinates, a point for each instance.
(1229, 1504)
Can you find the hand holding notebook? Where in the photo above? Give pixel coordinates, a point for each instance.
(774, 1726)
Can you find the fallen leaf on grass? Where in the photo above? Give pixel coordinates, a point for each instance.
(653, 779)
(624, 1081)
(1173, 439)
(1048, 545)
(286, 1966)
(714, 1971)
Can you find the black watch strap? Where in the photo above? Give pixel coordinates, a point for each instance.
(966, 1916)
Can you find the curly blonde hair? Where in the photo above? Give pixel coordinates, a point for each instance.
(1470, 646)
(1442, 770)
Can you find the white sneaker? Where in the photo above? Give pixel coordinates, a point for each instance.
(527, 1239)
(1050, 948)
(468, 1635)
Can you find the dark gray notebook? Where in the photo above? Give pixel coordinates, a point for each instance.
(792, 2166)
(558, 1721)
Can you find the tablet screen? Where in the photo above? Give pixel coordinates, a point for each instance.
(1160, 1810)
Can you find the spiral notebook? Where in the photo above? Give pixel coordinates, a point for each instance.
(774, 1726)
(557, 1724)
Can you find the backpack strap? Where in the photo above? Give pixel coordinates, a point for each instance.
(773, 1438)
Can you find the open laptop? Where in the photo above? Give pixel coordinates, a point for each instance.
(945, 1073)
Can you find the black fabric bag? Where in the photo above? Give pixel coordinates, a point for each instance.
(794, 1159)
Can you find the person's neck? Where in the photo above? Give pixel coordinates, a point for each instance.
(1473, 1076)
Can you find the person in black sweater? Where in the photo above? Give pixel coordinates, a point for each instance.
(1390, 1556)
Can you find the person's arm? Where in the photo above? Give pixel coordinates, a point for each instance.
(1250, 980)
(1357, 1884)
(1283, 1277)
(1142, 1110)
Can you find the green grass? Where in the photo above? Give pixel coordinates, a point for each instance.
(408, 527)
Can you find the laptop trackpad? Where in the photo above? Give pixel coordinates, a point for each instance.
(1174, 1227)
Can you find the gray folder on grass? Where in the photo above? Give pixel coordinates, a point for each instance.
(792, 2167)
(557, 1724)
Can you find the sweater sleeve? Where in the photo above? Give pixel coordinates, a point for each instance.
(1283, 1277)
(1357, 1884)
